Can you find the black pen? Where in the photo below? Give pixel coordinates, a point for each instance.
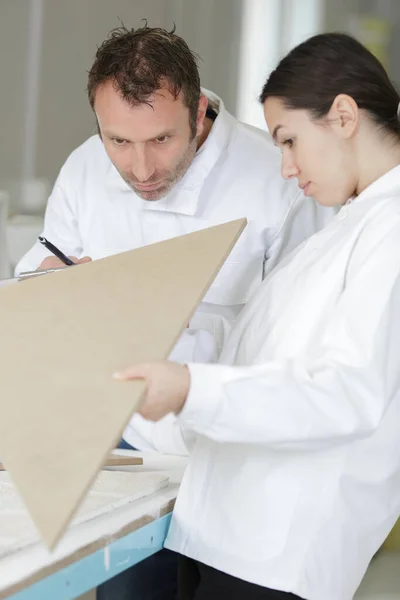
(54, 250)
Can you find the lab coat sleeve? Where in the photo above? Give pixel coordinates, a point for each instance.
(60, 225)
(210, 331)
(167, 436)
(341, 395)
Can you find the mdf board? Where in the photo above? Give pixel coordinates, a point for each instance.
(393, 541)
(63, 335)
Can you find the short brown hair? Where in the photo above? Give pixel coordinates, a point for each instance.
(139, 61)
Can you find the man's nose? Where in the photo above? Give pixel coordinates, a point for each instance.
(142, 166)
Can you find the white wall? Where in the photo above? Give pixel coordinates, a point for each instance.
(269, 29)
(13, 50)
(212, 29)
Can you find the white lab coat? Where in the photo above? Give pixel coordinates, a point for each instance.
(294, 481)
(236, 173)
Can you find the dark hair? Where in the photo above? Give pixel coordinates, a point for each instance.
(316, 71)
(139, 61)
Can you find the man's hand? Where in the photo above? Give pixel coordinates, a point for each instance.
(167, 387)
(52, 262)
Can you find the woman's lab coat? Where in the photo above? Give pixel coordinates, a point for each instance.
(294, 479)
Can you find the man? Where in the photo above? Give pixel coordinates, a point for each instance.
(168, 160)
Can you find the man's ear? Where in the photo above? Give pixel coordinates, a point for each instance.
(201, 114)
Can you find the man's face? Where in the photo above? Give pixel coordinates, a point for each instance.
(152, 147)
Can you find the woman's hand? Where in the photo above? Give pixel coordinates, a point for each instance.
(167, 387)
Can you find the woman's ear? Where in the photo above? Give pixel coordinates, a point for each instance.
(344, 116)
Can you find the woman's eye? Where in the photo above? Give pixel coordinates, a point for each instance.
(288, 143)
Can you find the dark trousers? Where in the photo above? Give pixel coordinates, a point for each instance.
(197, 581)
(155, 578)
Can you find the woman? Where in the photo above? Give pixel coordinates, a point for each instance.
(294, 481)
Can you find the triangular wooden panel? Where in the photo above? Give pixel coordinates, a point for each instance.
(63, 335)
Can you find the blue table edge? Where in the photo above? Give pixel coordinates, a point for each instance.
(104, 563)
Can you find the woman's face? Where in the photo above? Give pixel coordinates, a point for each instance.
(318, 153)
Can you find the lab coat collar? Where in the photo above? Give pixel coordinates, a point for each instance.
(386, 185)
(184, 197)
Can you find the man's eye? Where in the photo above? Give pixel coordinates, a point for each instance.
(162, 139)
(118, 141)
